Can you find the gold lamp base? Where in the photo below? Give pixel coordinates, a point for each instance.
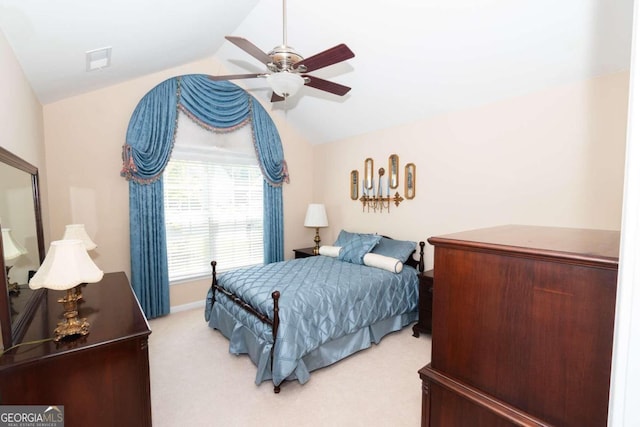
(72, 325)
(78, 290)
(13, 288)
(316, 239)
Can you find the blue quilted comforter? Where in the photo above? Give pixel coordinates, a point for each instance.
(322, 299)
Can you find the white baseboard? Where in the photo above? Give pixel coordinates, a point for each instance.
(185, 307)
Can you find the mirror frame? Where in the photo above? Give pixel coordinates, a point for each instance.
(354, 181)
(12, 333)
(394, 171)
(410, 181)
(368, 173)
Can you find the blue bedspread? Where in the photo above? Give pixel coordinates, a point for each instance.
(322, 300)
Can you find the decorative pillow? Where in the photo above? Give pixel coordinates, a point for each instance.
(332, 251)
(398, 249)
(355, 249)
(384, 262)
(343, 238)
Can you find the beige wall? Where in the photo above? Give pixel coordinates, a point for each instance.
(20, 111)
(21, 120)
(21, 123)
(551, 158)
(84, 137)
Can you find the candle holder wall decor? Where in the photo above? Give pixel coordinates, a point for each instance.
(380, 194)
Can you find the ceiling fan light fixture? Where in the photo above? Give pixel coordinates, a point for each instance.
(285, 84)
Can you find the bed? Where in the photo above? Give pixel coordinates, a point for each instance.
(296, 316)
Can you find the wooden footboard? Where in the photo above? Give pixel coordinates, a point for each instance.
(274, 323)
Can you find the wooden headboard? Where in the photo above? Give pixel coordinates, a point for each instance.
(418, 264)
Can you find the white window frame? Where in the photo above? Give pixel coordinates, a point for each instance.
(215, 210)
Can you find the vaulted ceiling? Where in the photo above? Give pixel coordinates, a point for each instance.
(414, 58)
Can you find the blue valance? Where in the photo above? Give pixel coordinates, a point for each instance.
(219, 106)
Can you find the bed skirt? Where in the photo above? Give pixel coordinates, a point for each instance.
(244, 341)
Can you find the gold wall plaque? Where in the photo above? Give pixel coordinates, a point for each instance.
(394, 166)
(410, 181)
(368, 174)
(354, 182)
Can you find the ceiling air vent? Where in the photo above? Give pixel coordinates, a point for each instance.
(98, 58)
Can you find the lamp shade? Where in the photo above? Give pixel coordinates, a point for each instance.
(66, 265)
(316, 216)
(284, 83)
(10, 248)
(78, 232)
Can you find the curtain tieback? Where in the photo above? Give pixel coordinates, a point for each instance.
(128, 165)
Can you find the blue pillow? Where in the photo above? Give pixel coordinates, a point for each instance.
(357, 247)
(398, 249)
(344, 237)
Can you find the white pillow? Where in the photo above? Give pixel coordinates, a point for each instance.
(384, 262)
(332, 251)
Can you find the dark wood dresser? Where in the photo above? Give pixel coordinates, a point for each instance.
(101, 379)
(522, 327)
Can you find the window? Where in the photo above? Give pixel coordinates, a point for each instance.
(213, 202)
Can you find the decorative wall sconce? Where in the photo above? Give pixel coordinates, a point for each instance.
(410, 181)
(373, 194)
(376, 201)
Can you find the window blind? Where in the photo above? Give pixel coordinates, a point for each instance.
(213, 209)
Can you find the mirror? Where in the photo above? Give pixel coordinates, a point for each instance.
(21, 244)
(368, 175)
(394, 165)
(353, 185)
(410, 181)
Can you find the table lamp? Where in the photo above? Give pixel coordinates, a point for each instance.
(11, 250)
(78, 232)
(66, 266)
(316, 217)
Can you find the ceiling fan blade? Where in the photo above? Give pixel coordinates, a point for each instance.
(250, 48)
(330, 56)
(326, 85)
(276, 98)
(236, 76)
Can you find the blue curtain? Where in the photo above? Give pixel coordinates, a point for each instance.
(216, 106)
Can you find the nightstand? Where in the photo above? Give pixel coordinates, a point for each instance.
(425, 302)
(304, 252)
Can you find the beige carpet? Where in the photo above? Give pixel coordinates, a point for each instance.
(195, 381)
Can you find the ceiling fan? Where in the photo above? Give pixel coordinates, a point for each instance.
(287, 69)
